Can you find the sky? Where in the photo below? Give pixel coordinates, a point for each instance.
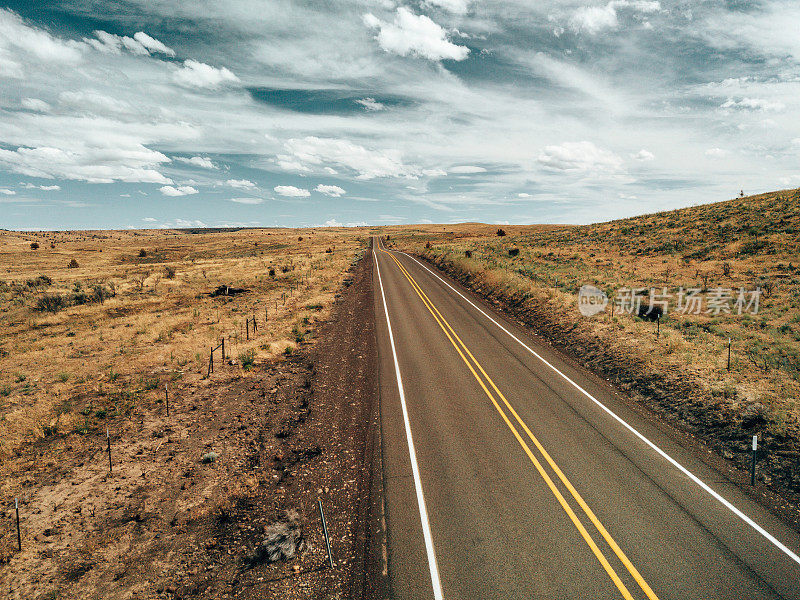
(228, 113)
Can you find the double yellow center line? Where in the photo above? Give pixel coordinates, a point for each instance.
(493, 393)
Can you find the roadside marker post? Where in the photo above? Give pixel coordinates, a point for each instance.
(108, 444)
(753, 464)
(325, 531)
(729, 354)
(19, 533)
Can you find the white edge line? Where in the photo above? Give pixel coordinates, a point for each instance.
(423, 511)
(630, 428)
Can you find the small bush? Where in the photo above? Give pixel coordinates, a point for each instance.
(329, 251)
(427, 245)
(513, 252)
(169, 272)
(209, 457)
(73, 264)
(272, 272)
(468, 253)
(34, 245)
(51, 303)
(501, 232)
(63, 377)
(142, 253)
(247, 359)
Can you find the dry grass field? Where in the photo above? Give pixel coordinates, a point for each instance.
(745, 243)
(85, 344)
(95, 325)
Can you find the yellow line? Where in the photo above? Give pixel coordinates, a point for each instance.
(582, 503)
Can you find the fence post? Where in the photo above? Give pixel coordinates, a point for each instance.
(247, 328)
(211, 362)
(108, 442)
(166, 397)
(729, 354)
(223, 348)
(254, 325)
(325, 531)
(19, 533)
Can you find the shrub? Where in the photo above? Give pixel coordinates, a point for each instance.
(272, 272)
(329, 251)
(247, 359)
(209, 457)
(427, 245)
(63, 377)
(73, 264)
(34, 245)
(501, 232)
(513, 251)
(51, 303)
(468, 253)
(142, 253)
(169, 272)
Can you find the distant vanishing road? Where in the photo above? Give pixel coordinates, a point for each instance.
(512, 473)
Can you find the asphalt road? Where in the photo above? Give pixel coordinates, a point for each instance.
(512, 475)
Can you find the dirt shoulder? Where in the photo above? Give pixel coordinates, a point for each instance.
(166, 524)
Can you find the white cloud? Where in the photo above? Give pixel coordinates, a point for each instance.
(754, 104)
(94, 102)
(152, 44)
(35, 104)
(524, 195)
(150, 220)
(198, 161)
(241, 184)
(643, 155)
(6, 192)
(330, 190)
(466, 170)
(369, 164)
(45, 188)
(579, 157)
(110, 43)
(291, 191)
(181, 190)
(129, 162)
(197, 74)
(436, 172)
(246, 200)
(370, 104)
(717, 153)
(415, 35)
(594, 19)
(458, 7)
(20, 43)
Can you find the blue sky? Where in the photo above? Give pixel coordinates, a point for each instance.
(163, 113)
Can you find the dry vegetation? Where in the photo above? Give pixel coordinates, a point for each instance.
(83, 345)
(751, 242)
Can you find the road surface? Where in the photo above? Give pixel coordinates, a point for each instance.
(510, 472)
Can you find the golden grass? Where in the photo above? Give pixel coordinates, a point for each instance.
(69, 370)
